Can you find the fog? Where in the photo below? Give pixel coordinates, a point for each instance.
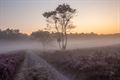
(6, 46)
(89, 43)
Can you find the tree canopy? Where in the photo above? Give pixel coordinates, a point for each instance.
(60, 19)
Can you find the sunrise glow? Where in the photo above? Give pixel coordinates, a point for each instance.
(99, 16)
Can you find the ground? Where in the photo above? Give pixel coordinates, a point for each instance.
(100, 63)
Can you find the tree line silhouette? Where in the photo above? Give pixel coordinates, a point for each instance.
(12, 34)
(41, 35)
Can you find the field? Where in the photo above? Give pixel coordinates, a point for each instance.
(87, 64)
(100, 63)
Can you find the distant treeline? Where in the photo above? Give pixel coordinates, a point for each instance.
(12, 34)
(15, 34)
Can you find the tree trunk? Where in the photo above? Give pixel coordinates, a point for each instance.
(64, 41)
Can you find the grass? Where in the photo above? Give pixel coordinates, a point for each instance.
(87, 64)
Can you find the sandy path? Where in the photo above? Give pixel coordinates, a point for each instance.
(35, 68)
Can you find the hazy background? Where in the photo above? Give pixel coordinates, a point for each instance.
(15, 45)
(99, 16)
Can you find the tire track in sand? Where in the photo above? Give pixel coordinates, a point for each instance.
(35, 68)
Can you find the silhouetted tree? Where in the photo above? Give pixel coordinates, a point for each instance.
(42, 36)
(60, 19)
(12, 34)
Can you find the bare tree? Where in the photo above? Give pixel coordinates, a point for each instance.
(60, 20)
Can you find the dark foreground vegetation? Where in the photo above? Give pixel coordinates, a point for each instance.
(79, 64)
(87, 64)
(9, 64)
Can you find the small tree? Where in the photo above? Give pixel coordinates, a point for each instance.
(42, 36)
(60, 19)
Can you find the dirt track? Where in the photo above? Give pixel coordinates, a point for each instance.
(35, 68)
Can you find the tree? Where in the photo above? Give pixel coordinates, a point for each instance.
(60, 20)
(42, 36)
(12, 34)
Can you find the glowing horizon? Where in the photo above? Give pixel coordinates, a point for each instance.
(99, 16)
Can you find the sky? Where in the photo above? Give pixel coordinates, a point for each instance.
(99, 16)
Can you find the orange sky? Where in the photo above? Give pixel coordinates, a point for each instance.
(99, 16)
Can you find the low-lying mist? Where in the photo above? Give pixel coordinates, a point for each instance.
(6, 46)
(95, 42)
